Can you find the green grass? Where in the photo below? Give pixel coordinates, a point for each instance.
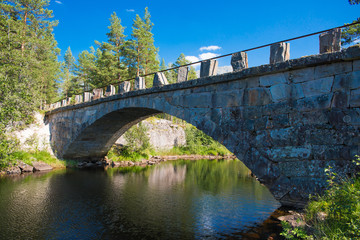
(43, 156)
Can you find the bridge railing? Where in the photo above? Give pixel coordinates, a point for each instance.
(329, 41)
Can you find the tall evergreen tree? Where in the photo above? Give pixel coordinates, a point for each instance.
(141, 52)
(71, 84)
(110, 63)
(28, 62)
(86, 68)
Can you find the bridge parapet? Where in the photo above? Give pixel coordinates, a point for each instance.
(279, 52)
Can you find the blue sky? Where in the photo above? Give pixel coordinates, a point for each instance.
(189, 26)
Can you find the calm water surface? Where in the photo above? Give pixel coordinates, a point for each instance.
(173, 200)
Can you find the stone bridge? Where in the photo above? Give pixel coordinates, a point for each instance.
(285, 121)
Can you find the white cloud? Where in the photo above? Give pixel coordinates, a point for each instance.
(58, 2)
(210, 48)
(130, 10)
(192, 58)
(207, 55)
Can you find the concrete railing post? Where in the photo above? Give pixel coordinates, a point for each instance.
(330, 41)
(139, 83)
(124, 87)
(57, 105)
(78, 99)
(208, 68)
(110, 90)
(239, 61)
(160, 79)
(279, 52)
(87, 96)
(97, 94)
(63, 103)
(182, 74)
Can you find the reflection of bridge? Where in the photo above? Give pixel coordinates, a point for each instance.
(286, 121)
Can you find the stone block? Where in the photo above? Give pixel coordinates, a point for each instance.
(289, 153)
(356, 65)
(317, 87)
(208, 68)
(139, 83)
(300, 75)
(256, 97)
(280, 92)
(340, 100)
(41, 166)
(297, 91)
(278, 121)
(355, 98)
(232, 98)
(312, 103)
(63, 103)
(124, 87)
(68, 101)
(272, 79)
(160, 80)
(87, 96)
(110, 90)
(355, 80)
(332, 69)
(201, 100)
(97, 94)
(279, 52)
(239, 61)
(182, 74)
(330, 41)
(78, 99)
(343, 82)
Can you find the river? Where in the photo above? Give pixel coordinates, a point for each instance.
(173, 200)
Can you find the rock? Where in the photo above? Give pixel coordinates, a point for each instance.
(239, 61)
(279, 52)
(89, 165)
(330, 41)
(25, 167)
(139, 83)
(41, 166)
(131, 163)
(97, 94)
(295, 219)
(208, 68)
(115, 164)
(99, 163)
(110, 90)
(87, 96)
(13, 170)
(182, 74)
(124, 87)
(160, 80)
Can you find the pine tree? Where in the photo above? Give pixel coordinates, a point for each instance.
(86, 68)
(28, 52)
(71, 84)
(110, 63)
(141, 54)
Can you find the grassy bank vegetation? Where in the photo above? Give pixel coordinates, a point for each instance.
(333, 215)
(139, 147)
(30, 156)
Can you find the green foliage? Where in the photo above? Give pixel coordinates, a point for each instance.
(353, 2)
(136, 138)
(340, 204)
(293, 233)
(117, 154)
(351, 34)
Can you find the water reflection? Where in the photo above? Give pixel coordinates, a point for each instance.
(173, 200)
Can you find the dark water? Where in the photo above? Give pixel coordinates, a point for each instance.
(173, 200)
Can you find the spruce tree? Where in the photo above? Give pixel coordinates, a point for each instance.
(110, 62)
(141, 53)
